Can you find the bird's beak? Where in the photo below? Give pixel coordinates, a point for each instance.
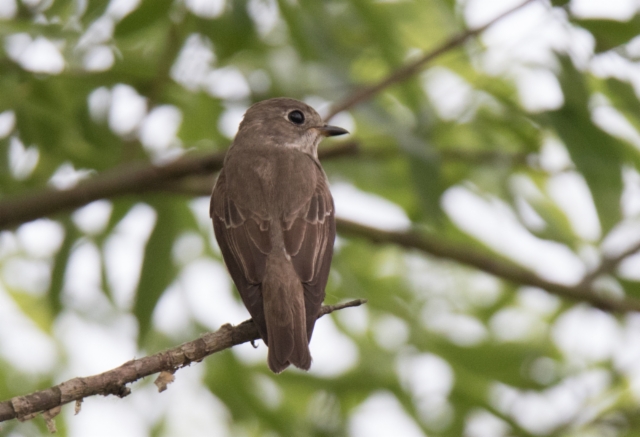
(331, 131)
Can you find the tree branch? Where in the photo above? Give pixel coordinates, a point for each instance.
(474, 258)
(131, 178)
(608, 265)
(114, 382)
(414, 67)
(134, 178)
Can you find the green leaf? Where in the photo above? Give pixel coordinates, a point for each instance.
(32, 306)
(95, 8)
(120, 208)
(425, 169)
(60, 261)
(631, 287)
(199, 112)
(230, 33)
(385, 37)
(158, 269)
(597, 155)
(144, 16)
(609, 33)
(624, 98)
(558, 227)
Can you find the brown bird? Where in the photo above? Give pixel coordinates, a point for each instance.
(273, 217)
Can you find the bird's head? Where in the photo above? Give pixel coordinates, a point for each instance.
(284, 122)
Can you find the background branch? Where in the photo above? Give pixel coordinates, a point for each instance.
(414, 67)
(131, 178)
(114, 382)
(609, 264)
(502, 269)
(134, 178)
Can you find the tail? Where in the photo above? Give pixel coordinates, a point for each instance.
(285, 315)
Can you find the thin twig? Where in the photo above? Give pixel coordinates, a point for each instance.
(114, 381)
(412, 68)
(607, 265)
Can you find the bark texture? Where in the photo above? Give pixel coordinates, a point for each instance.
(114, 381)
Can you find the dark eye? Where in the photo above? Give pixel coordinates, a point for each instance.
(296, 117)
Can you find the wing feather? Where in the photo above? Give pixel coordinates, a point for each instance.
(244, 243)
(309, 242)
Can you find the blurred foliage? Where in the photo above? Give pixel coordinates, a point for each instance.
(210, 64)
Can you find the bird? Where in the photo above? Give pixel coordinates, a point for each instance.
(274, 219)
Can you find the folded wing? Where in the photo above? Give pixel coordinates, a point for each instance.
(244, 242)
(309, 234)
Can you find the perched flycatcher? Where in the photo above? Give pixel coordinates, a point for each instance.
(273, 217)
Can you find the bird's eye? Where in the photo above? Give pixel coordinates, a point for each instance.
(296, 117)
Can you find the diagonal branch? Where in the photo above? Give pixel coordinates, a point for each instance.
(414, 67)
(133, 178)
(609, 264)
(474, 258)
(114, 382)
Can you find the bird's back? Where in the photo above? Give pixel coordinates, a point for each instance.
(277, 182)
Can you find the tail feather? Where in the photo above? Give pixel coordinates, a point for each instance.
(285, 316)
(288, 344)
